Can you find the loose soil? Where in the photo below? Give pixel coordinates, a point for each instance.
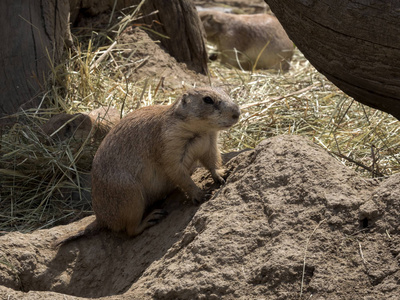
(291, 222)
(153, 63)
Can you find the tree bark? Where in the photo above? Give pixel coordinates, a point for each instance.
(32, 35)
(354, 43)
(178, 20)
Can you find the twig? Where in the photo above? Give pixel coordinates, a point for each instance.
(361, 253)
(259, 55)
(112, 13)
(160, 84)
(237, 59)
(375, 165)
(305, 254)
(371, 170)
(345, 114)
(142, 94)
(101, 58)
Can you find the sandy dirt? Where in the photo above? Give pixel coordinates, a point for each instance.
(290, 221)
(153, 63)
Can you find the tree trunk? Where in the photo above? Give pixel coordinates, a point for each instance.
(178, 20)
(32, 35)
(355, 44)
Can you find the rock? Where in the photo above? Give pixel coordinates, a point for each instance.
(289, 216)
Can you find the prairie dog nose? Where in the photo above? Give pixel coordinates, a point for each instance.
(236, 114)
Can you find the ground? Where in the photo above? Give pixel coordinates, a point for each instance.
(291, 222)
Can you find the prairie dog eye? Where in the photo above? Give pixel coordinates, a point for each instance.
(208, 100)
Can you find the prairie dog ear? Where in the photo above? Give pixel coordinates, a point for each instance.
(181, 106)
(184, 99)
(207, 16)
(80, 120)
(214, 19)
(212, 25)
(203, 15)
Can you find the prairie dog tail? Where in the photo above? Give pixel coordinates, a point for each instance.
(90, 229)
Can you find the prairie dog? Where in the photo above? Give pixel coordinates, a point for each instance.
(151, 152)
(98, 122)
(248, 34)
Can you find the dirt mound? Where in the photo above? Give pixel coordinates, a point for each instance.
(291, 220)
(149, 60)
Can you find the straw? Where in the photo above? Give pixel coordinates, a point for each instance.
(38, 174)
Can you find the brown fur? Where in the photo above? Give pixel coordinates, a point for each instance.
(151, 152)
(96, 123)
(248, 34)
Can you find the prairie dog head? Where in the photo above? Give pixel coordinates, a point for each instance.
(64, 126)
(209, 109)
(96, 123)
(212, 24)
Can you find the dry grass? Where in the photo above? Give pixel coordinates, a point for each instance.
(38, 174)
(304, 102)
